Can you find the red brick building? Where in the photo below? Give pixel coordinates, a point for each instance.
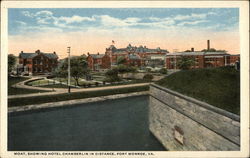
(133, 60)
(98, 61)
(202, 59)
(209, 57)
(37, 63)
(141, 53)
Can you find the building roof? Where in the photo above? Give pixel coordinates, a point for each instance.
(97, 56)
(134, 57)
(51, 55)
(32, 55)
(198, 53)
(135, 49)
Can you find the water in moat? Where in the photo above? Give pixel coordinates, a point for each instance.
(111, 125)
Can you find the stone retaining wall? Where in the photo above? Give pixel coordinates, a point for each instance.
(184, 123)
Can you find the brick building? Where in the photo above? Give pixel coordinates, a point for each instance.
(37, 63)
(98, 61)
(133, 60)
(209, 57)
(142, 53)
(202, 59)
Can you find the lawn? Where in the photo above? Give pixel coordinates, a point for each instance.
(217, 86)
(39, 82)
(74, 95)
(16, 91)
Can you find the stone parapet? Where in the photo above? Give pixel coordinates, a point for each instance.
(184, 123)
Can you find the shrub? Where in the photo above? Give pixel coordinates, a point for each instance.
(96, 84)
(163, 71)
(125, 69)
(148, 77)
(148, 70)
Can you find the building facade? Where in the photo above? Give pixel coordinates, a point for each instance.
(37, 63)
(98, 61)
(142, 53)
(202, 59)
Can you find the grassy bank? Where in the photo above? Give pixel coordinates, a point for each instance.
(217, 86)
(75, 95)
(16, 91)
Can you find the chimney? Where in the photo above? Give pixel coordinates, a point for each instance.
(54, 52)
(88, 53)
(98, 53)
(208, 44)
(21, 51)
(192, 49)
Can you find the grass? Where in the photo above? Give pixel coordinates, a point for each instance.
(39, 82)
(75, 95)
(16, 91)
(217, 86)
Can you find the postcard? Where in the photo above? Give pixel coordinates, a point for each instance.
(124, 79)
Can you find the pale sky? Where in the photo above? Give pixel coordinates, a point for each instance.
(93, 29)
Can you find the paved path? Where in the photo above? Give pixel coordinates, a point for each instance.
(65, 90)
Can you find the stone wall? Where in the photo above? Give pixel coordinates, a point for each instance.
(184, 123)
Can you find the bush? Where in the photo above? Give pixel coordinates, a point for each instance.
(148, 77)
(148, 70)
(125, 69)
(51, 76)
(96, 84)
(163, 71)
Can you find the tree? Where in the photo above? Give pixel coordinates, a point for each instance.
(209, 50)
(112, 75)
(11, 62)
(121, 60)
(78, 68)
(185, 63)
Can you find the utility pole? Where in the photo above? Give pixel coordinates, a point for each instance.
(175, 51)
(69, 69)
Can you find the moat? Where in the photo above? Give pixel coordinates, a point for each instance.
(111, 125)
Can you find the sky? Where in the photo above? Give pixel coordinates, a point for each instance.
(93, 29)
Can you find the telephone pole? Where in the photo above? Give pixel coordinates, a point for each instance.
(69, 69)
(175, 61)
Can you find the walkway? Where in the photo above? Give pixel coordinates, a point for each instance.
(65, 90)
